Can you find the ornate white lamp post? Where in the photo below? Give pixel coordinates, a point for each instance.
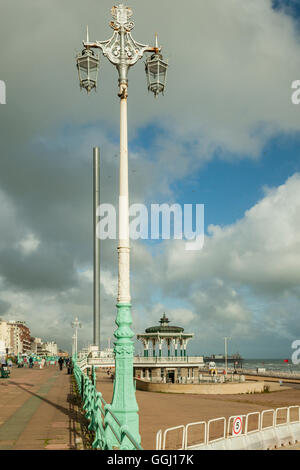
(123, 52)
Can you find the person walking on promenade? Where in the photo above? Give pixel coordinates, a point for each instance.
(61, 363)
(30, 362)
(42, 363)
(70, 367)
(3, 361)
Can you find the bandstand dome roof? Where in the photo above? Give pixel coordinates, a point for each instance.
(164, 327)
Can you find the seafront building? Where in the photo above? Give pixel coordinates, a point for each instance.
(51, 347)
(36, 346)
(41, 348)
(16, 336)
(15, 339)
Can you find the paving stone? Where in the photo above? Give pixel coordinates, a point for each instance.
(58, 447)
(36, 413)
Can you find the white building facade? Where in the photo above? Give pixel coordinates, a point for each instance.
(51, 347)
(10, 334)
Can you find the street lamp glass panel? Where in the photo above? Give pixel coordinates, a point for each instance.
(87, 64)
(156, 71)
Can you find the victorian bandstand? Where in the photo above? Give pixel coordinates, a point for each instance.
(165, 357)
(173, 337)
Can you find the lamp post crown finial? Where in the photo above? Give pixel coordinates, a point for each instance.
(121, 15)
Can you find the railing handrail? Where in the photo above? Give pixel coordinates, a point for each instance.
(287, 415)
(262, 417)
(253, 413)
(160, 444)
(90, 397)
(181, 426)
(194, 424)
(150, 358)
(222, 418)
(131, 438)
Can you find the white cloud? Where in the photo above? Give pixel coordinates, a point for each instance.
(243, 284)
(182, 316)
(262, 249)
(229, 80)
(109, 282)
(228, 90)
(28, 245)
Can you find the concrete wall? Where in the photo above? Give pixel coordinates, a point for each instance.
(224, 389)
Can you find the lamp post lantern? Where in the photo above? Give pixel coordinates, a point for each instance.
(124, 52)
(156, 71)
(87, 65)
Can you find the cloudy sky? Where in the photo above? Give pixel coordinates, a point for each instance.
(225, 134)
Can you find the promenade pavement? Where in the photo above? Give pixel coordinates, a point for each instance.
(38, 409)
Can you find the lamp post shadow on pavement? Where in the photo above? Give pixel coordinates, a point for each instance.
(123, 52)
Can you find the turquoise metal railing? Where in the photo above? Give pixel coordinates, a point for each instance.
(103, 422)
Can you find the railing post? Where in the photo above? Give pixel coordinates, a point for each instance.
(108, 420)
(99, 441)
(82, 385)
(124, 404)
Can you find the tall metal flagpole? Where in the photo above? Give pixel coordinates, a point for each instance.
(96, 198)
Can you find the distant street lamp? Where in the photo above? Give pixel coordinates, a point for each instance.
(76, 324)
(123, 52)
(226, 354)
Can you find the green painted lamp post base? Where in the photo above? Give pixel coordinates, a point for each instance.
(124, 404)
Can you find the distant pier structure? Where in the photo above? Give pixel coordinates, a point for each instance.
(235, 359)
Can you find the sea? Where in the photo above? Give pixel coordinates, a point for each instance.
(271, 365)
